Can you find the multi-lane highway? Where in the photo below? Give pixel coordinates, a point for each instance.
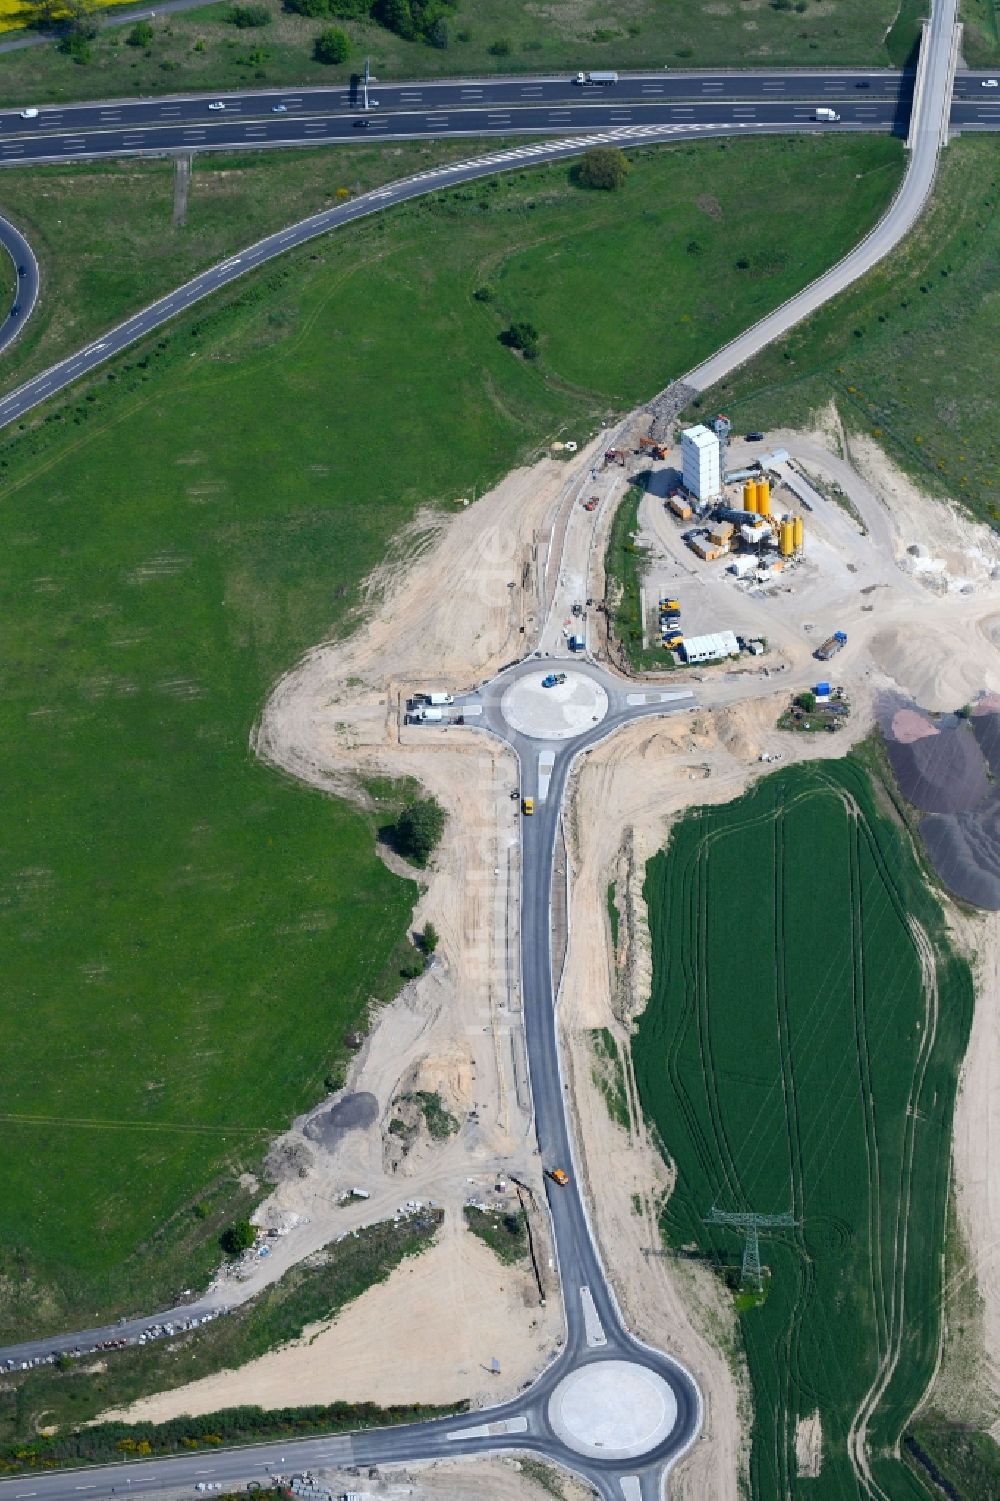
(878, 100)
(608, 1407)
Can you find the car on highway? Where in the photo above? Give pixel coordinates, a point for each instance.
(362, 125)
(22, 270)
(279, 109)
(217, 104)
(29, 114)
(15, 310)
(991, 83)
(862, 83)
(527, 806)
(559, 1175)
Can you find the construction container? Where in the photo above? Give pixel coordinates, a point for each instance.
(679, 507)
(720, 533)
(763, 497)
(786, 538)
(707, 551)
(798, 532)
(752, 535)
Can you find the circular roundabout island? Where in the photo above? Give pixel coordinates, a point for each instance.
(554, 705)
(613, 1409)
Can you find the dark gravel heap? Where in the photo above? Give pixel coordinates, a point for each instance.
(953, 776)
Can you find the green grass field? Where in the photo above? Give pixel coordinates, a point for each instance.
(800, 1053)
(201, 49)
(186, 936)
(981, 35)
(72, 213)
(909, 355)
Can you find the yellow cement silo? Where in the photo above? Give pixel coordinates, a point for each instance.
(764, 497)
(786, 539)
(750, 495)
(798, 533)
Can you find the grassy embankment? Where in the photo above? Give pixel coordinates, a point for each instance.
(910, 354)
(188, 938)
(202, 49)
(311, 1293)
(796, 1057)
(609, 1075)
(981, 34)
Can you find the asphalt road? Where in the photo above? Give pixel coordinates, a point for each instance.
(588, 1299)
(25, 282)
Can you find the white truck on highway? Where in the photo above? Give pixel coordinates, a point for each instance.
(604, 79)
(830, 115)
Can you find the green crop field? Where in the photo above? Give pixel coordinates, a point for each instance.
(800, 1054)
(202, 49)
(186, 936)
(909, 355)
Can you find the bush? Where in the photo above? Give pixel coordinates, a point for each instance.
(523, 336)
(602, 167)
(332, 46)
(238, 1237)
(807, 701)
(485, 293)
(429, 938)
(418, 829)
(77, 46)
(438, 35)
(315, 9)
(246, 16)
(500, 48)
(141, 35)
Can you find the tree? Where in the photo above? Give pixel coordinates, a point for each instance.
(397, 16)
(807, 701)
(523, 336)
(418, 829)
(437, 34)
(237, 1237)
(332, 46)
(602, 167)
(429, 938)
(314, 9)
(141, 35)
(349, 10)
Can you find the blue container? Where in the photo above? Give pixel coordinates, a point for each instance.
(822, 690)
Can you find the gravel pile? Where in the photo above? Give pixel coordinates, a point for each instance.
(944, 765)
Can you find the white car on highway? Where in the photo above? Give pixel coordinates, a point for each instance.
(991, 83)
(29, 114)
(217, 105)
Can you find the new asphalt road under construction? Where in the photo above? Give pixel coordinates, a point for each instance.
(609, 1408)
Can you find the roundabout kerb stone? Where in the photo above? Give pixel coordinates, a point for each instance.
(613, 1409)
(568, 709)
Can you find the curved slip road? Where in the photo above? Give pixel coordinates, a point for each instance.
(25, 294)
(929, 124)
(595, 1332)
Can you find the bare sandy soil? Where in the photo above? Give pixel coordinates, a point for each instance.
(472, 590)
(455, 1299)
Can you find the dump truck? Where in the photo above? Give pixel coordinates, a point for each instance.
(670, 604)
(440, 698)
(603, 79)
(559, 1176)
(831, 646)
(527, 806)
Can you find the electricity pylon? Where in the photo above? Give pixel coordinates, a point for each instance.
(751, 1225)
